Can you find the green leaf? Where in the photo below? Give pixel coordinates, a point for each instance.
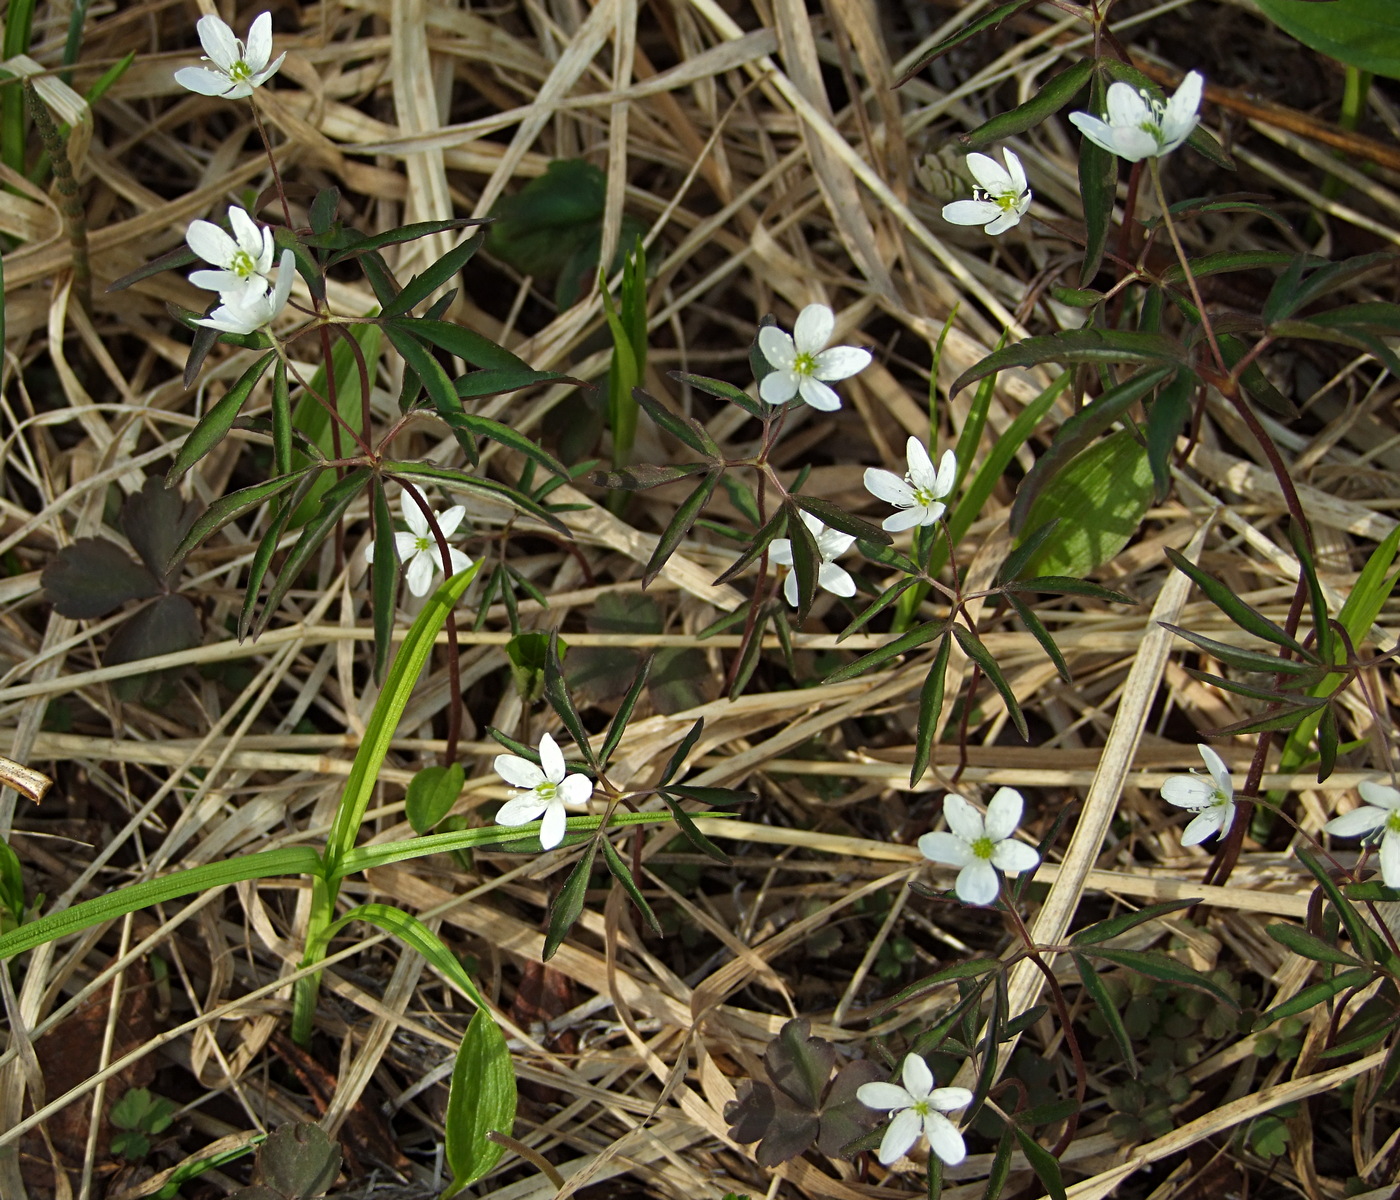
(1357, 929)
(930, 706)
(1099, 501)
(364, 244)
(1286, 720)
(691, 832)
(1037, 630)
(724, 391)
(462, 481)
(424, 284)
(1361, 33)
(775, 528)
(839, 519)
(1045, 1165)
(1092, 346)
(506, 436)
(384, 720)
(383, 578)
(94, 577)
(481, 1100)
(685, 429)
(1054, 94)
(1156, 965)
(218, 420)
(713, 796)
(680, 523)
(971, 968)
(682, 750)
(1309, 945)
(1227, 261)
(464, 343)
(1317, 331)
(1076, 434)
(556, 690)
(623, 874)
(1103, 1002)
(1298, 286)
(568, 904)
(435, 381)
(1318, 993)
(1166, 417)
(642, 476)
(618, 726)
(1244, 659)
(231, 507)
(292, 860)
(975, 650)
(892, 649)
(1098, 187)
(431, 795)
(988, 20)
(1251, 620)
(1069, 586)
(889, 596)
(296, 1161)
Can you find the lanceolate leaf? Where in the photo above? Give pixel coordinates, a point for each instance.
(1103, 1002)
(724, 391)
(679, 526)
(838, 518)
(1156, 965)
(462, 481)
(1300, 941)
(1054, 94)
(1037, 630)
(775, 528)
(1098, 187)
(975, 650)
(986, 21)
(424, 284)
(1298, 287)
(464, 343)
(623, 874)
(481, 1100)
(435, 381)
(568, 904)
(1318, 993)
(618, 726)
(218, 420)
(234, 505)
(1245, 660)
(642, 476)
(1080, 346)
(384, 577)
(682, 751)
(691, 832)
(362, 243)
(556, 690)
(684, 429)
(886, 598)
(930, 707)
(506, 436)
(1250, 619)
(900, 645)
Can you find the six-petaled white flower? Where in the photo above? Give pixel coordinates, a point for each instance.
(1137, 126)
(918, 1107)
(980, 847)
(1380, 812)
(801, 363)
(234, 71)
(1001, 198)
(920, 493)
(1212, 800)
(244, 258)
(831, 544)
(419, 549)
(253, 306)
(547, 788)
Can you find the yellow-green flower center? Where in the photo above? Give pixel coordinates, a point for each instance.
(804, 364)
(242, 264)
(240, 72)
(983, 847)
(922, 1107)
(546, 791)
(1392, 822)
(422, 543)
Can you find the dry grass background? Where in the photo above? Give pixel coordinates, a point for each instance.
(763, 148)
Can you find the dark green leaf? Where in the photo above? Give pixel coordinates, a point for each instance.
(1238, 656)
(775, 528)
(466, 344)
(1041, 634)
(462, 481)
(1069, 586)
(723, 391)
(169, 625)
(623, 875)
(679, 526)
(1093, 346)
(1287, 720)
(901, 645)
(424, 284)
(218, 420)
(1156, 965)
(94, 577)
(972, 968)
(568, 904)
(556, 691)
(684, 429)
(883, 601)
(1098, 187)
(1227, 600)
(678, 757)
(1045, 1165)
(1103, 1003)
(363, 244)
(837, 518)
(642, 476)
(975, 650)
(1054, 94)
(1001, 1167)
(713, 796)
(1300, 941)
(171, 260)
(1166, 417)
(690, 831)
(506, 436)
(988, 20)
(383, 579)
(930, 706)
(1226, 261)
(1265, 692)
(1296, 288)
(618, 726)
(1318, 993)
(1357, 929)
(431, 795)
(262, 557)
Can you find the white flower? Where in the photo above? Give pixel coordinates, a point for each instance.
(1138, 126)
(1213, 800)
(253, 306)
(920, 493)
(1380, 812)
(979, 847)
(830, 544)
(236, 71)
(1001, 198)
(419, 549)
(244, 259)
(918, 1107)
(800, 363)
(547, 789)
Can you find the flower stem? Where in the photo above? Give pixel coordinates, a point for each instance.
(1154, 166)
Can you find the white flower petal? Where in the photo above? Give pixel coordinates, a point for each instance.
(944, 1139)
(460, 561)
(962, 818)
(1183, 111)
(900, 1137)
(949, 1099)
(412, 515)
(1187, 791)
(221, 281)
(1202, 825)
(916, 1076)
(1357, 823)
(947, 474)
(977, 883)
(450, 518)
(203, 81)
(520, 810)
(780, 552)
(1008, 219)
(405, 546)
(946, 848)
(790, 590)
(833, 543)
(576, 789)
(553, 827)
(840, 362)
(210, 242)
(518, 772)
(1127, 107)
(218, 41)
(1098, 132)
(921, 473)
(906, 520)
(836, 580)
(778, 387)
(421, 569)
(1218, 770)
(818, 395)
(883, 1096)
(889, 487)
(1379, 794)
(991, 176)
(971, 212)
(1004, 813)
(1133, 145)
(777, 347)
(1015, 169)
(813, 328)
(1390, 860)
(1014, 857)
(259, 42)
(551, 759)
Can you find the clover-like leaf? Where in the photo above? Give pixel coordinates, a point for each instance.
(299, 1161)
(94, 577)
(155, 520)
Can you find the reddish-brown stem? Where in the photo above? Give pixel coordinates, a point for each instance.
(272, 161)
